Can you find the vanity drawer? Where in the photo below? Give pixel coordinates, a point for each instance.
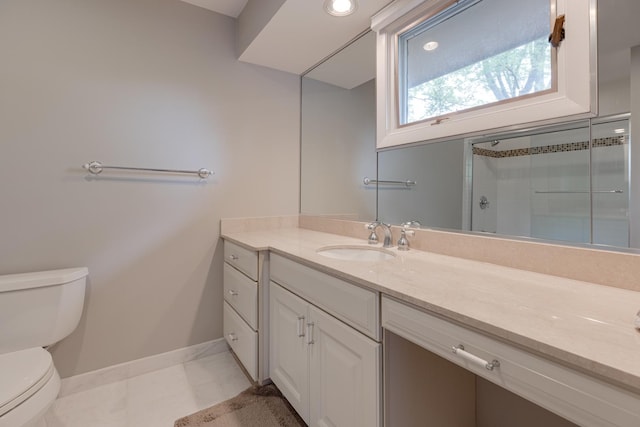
(243, 340)
(242, 294)
(356, 306)
(576, 396)
(243, 259)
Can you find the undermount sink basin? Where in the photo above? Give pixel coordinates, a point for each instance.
(356, 253)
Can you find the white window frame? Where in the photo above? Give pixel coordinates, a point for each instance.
(575, 97)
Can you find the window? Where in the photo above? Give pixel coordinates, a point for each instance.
(447, 64)
(449, 68)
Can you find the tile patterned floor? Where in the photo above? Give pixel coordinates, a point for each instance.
(155, 399)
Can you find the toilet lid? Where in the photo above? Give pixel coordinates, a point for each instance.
(23, 373)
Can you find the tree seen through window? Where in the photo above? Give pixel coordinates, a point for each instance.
(520, 71)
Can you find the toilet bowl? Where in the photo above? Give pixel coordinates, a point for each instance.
(36, 310)
(30, 384)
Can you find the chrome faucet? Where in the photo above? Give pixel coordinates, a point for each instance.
(373, 238)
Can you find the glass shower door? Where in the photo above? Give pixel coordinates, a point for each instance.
(555, 184)
(534, 184)
(560, 185)
(610, 181)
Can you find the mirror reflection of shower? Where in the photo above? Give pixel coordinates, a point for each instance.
(555, 184)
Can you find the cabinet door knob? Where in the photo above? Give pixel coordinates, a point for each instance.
(232, 336)
(233, 257)
(233, 293)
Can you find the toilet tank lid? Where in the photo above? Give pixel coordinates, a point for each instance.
(15, 282)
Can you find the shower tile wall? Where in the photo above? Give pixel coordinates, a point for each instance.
(505, 182)
(514, 177)
(485, 184)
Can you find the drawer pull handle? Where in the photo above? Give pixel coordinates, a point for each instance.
(233, 293)
(300, 326)
(310, 333)
(459, 350)
(233, 337)
(233, 257)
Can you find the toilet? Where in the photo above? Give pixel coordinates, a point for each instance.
(36, 310)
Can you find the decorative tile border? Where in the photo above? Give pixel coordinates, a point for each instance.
(556, 148)
(610, 141)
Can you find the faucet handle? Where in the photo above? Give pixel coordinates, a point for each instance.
(373, 237)
(403, 241)
(371, 225)
(411, 224)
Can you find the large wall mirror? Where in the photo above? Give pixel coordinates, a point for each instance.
(338, 136)
(571, 182)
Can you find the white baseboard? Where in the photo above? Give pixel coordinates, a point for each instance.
(123, 371)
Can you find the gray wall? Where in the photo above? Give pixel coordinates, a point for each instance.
(150, 83)
(614, 97)
(338, 149)
(436, 199)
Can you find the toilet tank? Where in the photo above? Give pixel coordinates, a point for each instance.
(39, 309)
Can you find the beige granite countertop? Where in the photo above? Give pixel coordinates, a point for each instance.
(579, 324)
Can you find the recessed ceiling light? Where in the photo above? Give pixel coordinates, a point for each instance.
(429, 46)
(619, 130)
(340, 7)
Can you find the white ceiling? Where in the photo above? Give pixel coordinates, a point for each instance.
(301, 34)
(230, 8)
(352, 66)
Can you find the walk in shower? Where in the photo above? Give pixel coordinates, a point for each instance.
(568, 182)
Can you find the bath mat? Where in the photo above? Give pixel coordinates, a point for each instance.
(258, 406)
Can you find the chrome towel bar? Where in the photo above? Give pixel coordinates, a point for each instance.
(578, 192)
(96, 168)
(407, 183)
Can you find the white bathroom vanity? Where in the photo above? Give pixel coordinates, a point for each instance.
(423, 336)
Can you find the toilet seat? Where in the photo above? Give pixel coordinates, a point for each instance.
(23, 374)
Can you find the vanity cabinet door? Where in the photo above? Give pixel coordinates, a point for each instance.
(288, 347)
(344, 374)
